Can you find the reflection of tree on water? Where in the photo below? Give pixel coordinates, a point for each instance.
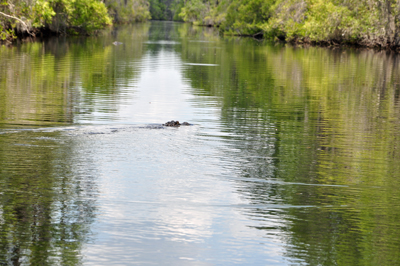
(163, 36)
(46, 199)
(46, 207)
(50, 83)
(316, 130)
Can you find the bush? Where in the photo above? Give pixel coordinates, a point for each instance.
(28, 16)
(369, 22)
(79, 16)
(128, 11)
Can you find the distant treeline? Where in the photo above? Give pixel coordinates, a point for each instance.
(362, 22)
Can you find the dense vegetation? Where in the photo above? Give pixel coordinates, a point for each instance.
(165, 9)
(368, 22)
(128, 11)
(29, 17)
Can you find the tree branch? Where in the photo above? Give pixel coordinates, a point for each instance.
(20, 20)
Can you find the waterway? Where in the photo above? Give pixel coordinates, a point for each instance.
(292, 158)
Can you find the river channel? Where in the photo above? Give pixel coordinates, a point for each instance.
(292, 158)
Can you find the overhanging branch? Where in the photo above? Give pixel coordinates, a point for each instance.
(20, 20)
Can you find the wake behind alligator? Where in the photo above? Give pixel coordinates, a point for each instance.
(171, 123)
(96, 129)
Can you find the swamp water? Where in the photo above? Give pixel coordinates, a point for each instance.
(293, 157)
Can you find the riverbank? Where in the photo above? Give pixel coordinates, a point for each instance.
(19, 20)
(370, 23)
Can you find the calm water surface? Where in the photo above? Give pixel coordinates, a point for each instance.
(293, 157)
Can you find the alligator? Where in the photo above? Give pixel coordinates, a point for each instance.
(173, 123)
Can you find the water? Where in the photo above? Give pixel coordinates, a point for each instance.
(292, 158)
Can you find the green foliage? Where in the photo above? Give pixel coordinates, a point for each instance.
(60, 16)
(158, 10)
(6, 34)
(371, 22)
(90, 15)
(326, 21)
(166, 9)
(128, 11)
(286, 19)
(82, 16)
(42, 13)
(176, 8)
(246, 17)
(194, 11)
